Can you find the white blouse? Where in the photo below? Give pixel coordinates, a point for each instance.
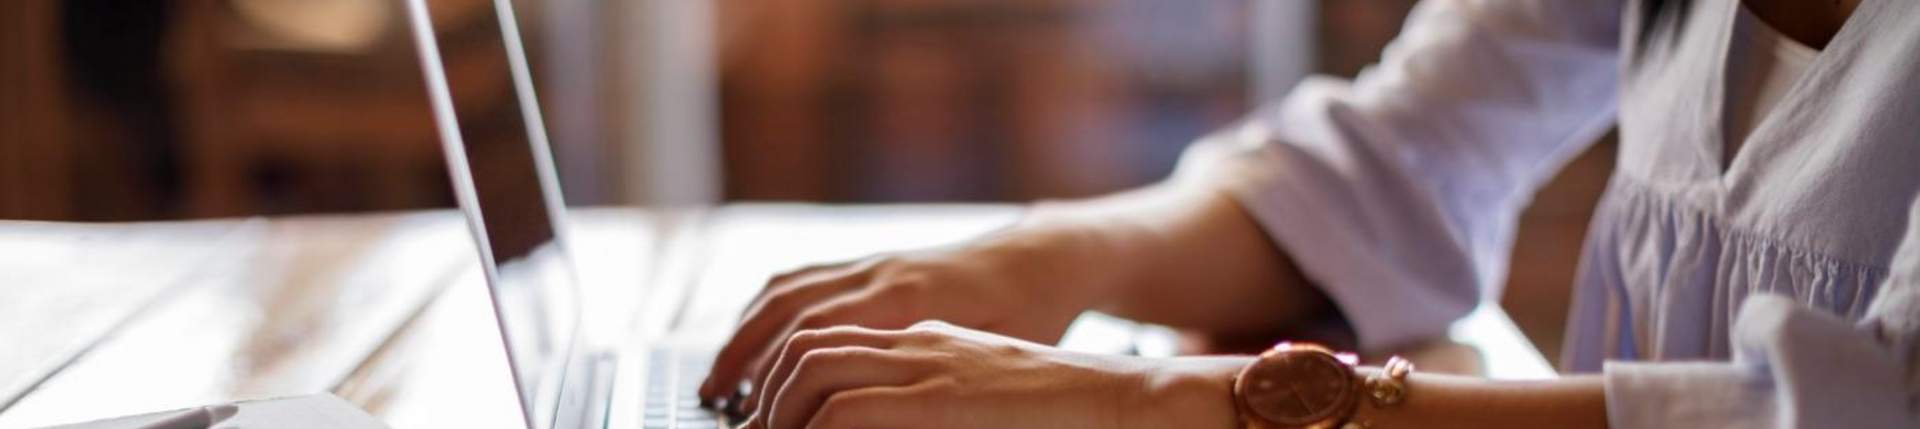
(1762, 66)
(1760, 288)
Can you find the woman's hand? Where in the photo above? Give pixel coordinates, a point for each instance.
(1025, 282)
(1185, 256)
(936, 375)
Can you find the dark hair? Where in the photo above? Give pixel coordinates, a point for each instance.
(1661, 13)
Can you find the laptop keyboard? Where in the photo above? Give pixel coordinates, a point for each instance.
(672, 395)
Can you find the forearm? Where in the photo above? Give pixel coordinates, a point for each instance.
(1196, 393)
(1450, 401)
(1183, 255)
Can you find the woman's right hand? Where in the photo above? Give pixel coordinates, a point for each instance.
(1024, 282)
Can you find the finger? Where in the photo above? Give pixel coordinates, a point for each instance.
(801, 276)
(871, 309)
(805, 341)
(877, 407)
(760, 326)
(841, 310)
(824, 372)
(804, 272)
(786, 286)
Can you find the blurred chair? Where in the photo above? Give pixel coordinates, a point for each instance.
(35, 170)
(910, 100)
(303, 106)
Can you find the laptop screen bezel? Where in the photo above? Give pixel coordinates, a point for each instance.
(538, 403)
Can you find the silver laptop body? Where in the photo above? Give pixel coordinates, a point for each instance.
(511, 197)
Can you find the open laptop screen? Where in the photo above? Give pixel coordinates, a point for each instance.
(502, 173)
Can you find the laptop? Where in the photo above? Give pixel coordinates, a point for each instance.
(510, 195)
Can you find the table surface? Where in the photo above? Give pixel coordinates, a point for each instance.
(390, 310)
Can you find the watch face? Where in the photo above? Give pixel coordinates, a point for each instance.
(1298, 388)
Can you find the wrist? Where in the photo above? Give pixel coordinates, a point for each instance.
(1185, 393)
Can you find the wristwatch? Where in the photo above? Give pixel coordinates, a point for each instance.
(1307, 386)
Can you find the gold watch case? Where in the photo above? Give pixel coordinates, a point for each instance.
(1297, 386)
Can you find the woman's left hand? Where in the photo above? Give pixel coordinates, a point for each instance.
(936, 375)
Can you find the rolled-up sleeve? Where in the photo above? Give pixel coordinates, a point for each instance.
(1793, 367)
(1397, 192)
